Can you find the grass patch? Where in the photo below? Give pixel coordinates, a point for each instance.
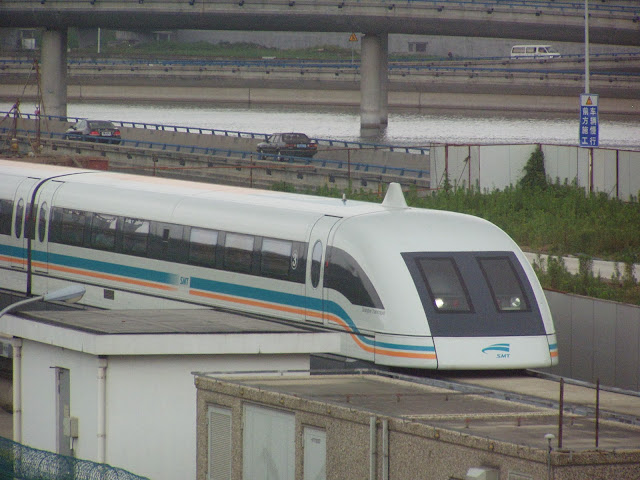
(558, 220)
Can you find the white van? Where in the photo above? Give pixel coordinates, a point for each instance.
(524, 51)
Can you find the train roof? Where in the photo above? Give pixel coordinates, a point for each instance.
(278, 214)
(149, 185)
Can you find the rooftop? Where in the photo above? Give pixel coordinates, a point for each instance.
(482, 405)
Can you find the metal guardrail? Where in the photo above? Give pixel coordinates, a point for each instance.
(232, 133)
(296, 64)
(241, 154)
(504, 4)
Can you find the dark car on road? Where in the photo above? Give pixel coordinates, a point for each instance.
(100, 131)
(289, 144)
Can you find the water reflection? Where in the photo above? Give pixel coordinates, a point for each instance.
(406, 127)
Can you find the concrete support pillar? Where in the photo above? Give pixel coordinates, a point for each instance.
(370, 88)
(384, 80)
(53, 72)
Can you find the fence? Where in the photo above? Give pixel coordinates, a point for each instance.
(597, 340)
(615, 172)
(18, 462)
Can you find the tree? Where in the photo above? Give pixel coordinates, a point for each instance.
(535, 175)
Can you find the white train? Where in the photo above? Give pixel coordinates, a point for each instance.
(409, 287)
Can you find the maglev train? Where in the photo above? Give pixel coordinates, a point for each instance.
(409, 287)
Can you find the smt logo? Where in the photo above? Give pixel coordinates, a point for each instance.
(502, 349)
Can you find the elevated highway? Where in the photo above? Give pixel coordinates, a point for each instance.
(610, 22)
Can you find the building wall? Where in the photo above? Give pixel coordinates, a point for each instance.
(416, 449)
(150, 404)
(39, 396)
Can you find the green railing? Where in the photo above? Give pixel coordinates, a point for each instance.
(18, 462)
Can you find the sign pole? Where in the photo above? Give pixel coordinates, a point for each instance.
(586, 47)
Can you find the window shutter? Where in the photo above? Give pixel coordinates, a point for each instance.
(219, 461)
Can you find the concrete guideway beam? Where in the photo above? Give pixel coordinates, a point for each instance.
(53, 76)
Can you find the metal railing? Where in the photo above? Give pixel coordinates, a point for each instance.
(239, 154)
(418, 150)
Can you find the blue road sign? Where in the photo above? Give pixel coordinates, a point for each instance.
(589, 128)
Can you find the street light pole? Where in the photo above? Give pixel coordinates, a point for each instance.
(70, 294)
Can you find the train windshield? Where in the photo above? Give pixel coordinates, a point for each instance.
(475, 293)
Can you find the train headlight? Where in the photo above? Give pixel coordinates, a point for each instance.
(439, 303)
(515, 302)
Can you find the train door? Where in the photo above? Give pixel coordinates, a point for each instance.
(318, 240)
(21, 212)
(39, 243)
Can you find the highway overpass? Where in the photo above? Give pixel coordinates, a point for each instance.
(614, 22)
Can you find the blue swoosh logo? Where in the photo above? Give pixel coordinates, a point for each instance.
(497, 347)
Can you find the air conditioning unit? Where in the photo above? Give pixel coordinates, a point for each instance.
(482, 473)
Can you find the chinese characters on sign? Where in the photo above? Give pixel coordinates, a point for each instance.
(589, 120)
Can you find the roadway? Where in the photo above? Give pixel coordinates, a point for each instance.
(613, 23)
(539, 84)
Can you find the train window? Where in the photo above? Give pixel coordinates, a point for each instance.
(135, 236)
(444, 283)
(42, 223)
(504, 284)
(67, 226)
(103, 232)
(166, 242)
(19, 218)
(238, 251)
(30, 221)
(316, 263)
(202, 247)
(345, 275)
(6, 213)
(276, 258)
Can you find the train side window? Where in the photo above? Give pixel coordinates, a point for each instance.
(444, 283)
(505, 286)
(42, 223)
(30, 221)
(238, 252)
(346, 276)
(67, 226)
(135, 236)
(298, 262)
(6, 213)
(103, 232)
(166, 242)
(19, 218)
(316, 263)
(276, 258)
(202, 247)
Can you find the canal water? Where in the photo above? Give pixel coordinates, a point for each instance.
(412, 127)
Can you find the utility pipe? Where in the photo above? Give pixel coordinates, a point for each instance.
(17, 389)
(385, 449)
(372, 447)
(102, 406)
